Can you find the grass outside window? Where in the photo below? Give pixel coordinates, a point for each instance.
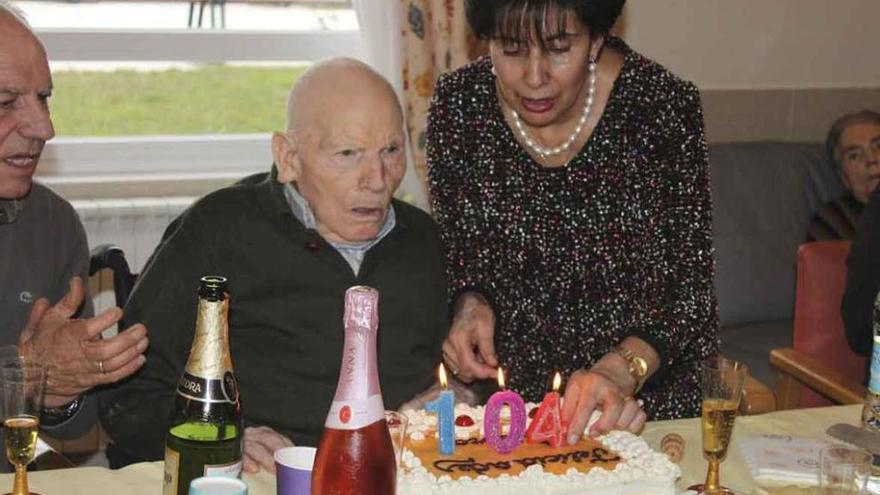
(217, 99)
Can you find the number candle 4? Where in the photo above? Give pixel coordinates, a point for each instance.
(547, 425)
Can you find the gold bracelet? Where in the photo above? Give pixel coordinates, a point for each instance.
(636, 365)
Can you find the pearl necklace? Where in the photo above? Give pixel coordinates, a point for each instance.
(547, 152)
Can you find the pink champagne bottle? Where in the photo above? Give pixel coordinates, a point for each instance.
(355, 455)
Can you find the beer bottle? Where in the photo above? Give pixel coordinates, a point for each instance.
(204, 437)
(355, 455)
(871, 407)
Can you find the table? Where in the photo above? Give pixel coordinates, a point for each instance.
(808, 423)
(146, 478)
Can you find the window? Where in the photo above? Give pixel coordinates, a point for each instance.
(142, 92)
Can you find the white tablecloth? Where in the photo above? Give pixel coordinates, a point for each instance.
(146, 478)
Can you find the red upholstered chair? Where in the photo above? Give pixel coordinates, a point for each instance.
(820, 369)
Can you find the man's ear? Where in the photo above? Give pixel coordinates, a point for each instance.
(284, 151)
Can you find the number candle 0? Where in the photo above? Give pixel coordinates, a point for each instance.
(492, 419)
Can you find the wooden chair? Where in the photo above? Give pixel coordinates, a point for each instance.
(757, 398)
(820, 369)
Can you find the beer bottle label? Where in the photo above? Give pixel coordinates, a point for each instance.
(172, 464)
(208, 390)
(230, 470)
(355, 414)
(874, 383)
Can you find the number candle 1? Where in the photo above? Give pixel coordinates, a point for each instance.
(444, 406)
(492, 419)
(547, 425)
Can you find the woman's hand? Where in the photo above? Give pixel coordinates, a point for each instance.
(469, 349)
(600, 387)
(608, 386)
(260, 444)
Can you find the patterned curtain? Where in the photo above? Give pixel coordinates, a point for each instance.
(436, 39)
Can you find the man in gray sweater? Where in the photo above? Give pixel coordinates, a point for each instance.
(44, 254)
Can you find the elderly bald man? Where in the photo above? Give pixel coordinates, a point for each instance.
(291, 242)
(43, 250)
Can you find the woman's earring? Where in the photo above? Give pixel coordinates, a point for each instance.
(493, 71)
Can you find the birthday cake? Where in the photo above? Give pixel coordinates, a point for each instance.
(618, 463)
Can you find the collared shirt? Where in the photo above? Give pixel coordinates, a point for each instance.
(352, 253)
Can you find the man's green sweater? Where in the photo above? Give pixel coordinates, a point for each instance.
(286, 287)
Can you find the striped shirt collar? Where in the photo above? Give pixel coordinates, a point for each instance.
(352, 253)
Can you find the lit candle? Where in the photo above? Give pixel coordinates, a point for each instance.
(547, 424)
(492, 419)
(444, 406)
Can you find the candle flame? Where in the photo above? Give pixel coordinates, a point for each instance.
(557, 382)
(501, 378)
(441, 372)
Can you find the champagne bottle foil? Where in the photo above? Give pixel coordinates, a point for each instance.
(358, 392)
(361, 309)
(209, 356)
(358, 375)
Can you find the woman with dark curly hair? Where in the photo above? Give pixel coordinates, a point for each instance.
(570, 179)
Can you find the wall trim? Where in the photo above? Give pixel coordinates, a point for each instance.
(207, 46)
(206, 155)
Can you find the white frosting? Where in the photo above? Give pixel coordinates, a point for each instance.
(641, 471)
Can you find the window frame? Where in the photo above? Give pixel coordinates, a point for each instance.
(103, 160)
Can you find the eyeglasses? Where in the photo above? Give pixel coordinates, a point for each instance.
(860, 154)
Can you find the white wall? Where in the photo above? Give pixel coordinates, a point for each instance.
(760, 44)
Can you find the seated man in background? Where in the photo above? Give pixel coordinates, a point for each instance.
(853, 144)
(43, 251)
(863, 280)
(290, 242)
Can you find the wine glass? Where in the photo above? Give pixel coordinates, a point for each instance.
(21, 382)
(722, 380)
(397, 423)
(844, 470)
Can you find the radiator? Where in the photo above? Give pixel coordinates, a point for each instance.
(135, 225)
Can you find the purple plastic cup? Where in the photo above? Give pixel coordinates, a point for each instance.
(293, 467)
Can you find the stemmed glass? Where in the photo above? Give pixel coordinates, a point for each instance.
(21, 382)
(397, 423)
(722, 381)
